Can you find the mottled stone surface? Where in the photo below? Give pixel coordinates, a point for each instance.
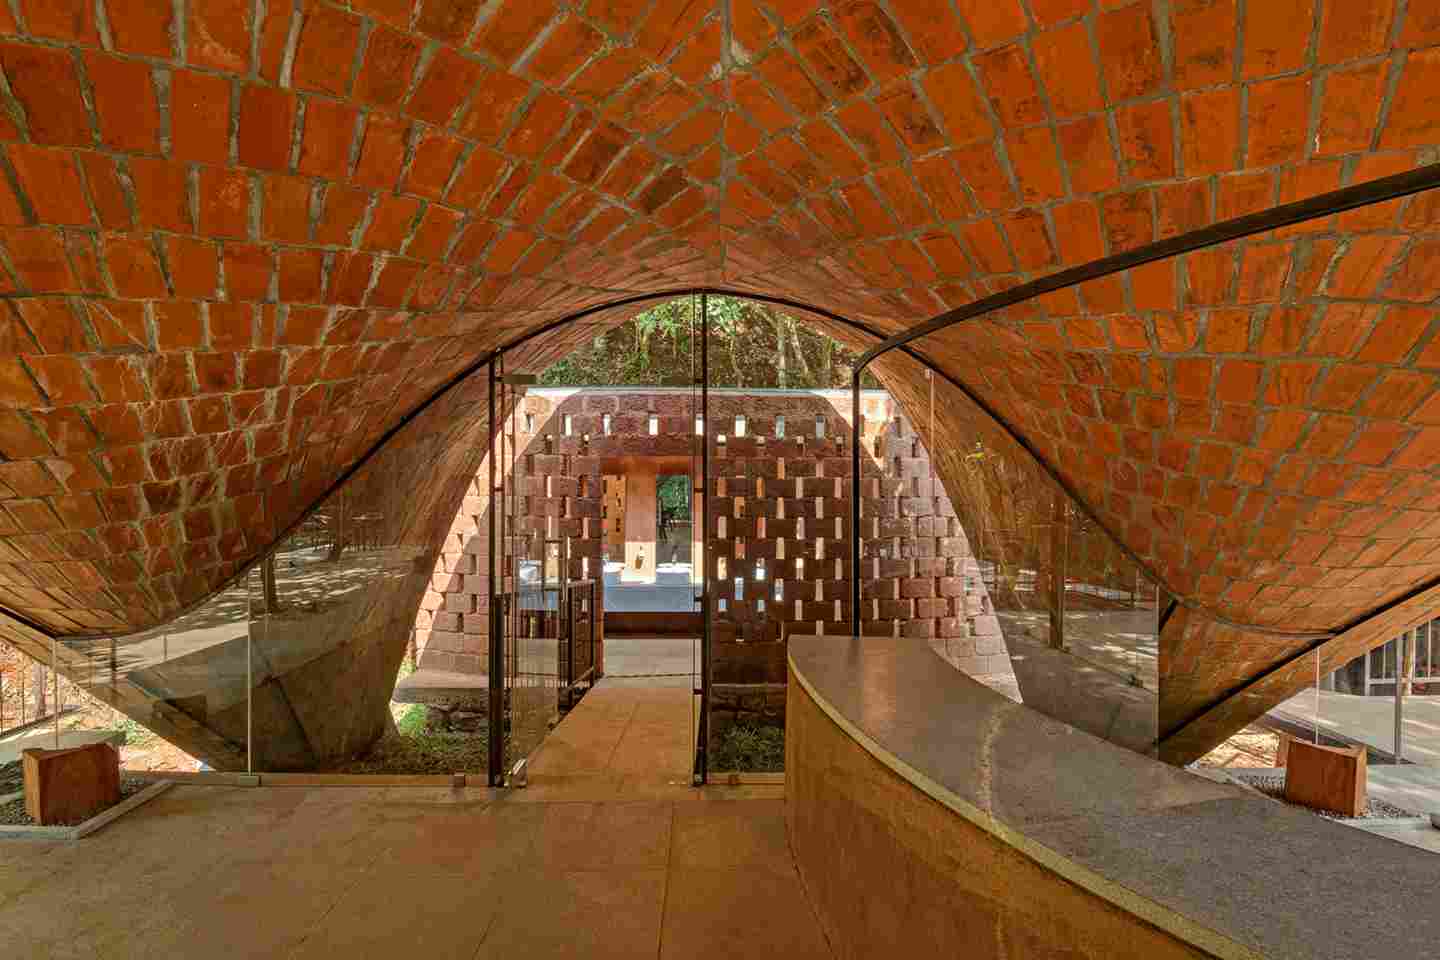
(1010, 828)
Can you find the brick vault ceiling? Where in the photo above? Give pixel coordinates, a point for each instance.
(239, 240)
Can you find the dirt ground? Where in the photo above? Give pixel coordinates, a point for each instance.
(1252, 747)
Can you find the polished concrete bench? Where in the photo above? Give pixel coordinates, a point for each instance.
(930, 816)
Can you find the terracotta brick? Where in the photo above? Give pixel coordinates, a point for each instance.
(1033, 158)
(142, 26)
(1413, 117)
(329, 129)
(341, 211)
(199, 116)
(286, 208)
(267, 116)
(224, 203)
(230, 326)
(133, 267)
(388, 68)
(1269, 31)
(72, 20)
(52, 324)
(325, 51)
(1089, 155)
(514, 26)
(43, 80)
(1422, 26)
(961, 109)
(1013, 93)
(1077, 229)
(445, 85)
(876, 40)
(566, 48)
(448, 20)
(1147, 142)
(786, 77)
(217, 34)
(390, 223)
(434, 161)
(248, 268)
(17, 386)
(381, 151)
(50, 179)
(1067, 70)
(1363, 264)
(1416, 278)
(909, 119)
(1279, 112)
(1209, 131)
(194, 266)
(1204, 32)
(125, 103)
(1350, 108)
(300, 273)
(62, 378)
(1129, 52)
(992, 23)
(161, 194)
(934, 29)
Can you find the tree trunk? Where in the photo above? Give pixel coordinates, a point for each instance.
(42, 688)
(778, 322)
(267, 581)
(337, 546)
(799, 353)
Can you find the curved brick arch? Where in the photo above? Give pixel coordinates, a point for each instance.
(239, 242)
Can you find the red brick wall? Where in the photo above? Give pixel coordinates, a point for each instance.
(780, 503)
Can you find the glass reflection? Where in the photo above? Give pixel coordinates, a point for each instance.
(1045, 605)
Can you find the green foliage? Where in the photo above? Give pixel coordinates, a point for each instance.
(751, 749)
(411, 722)
(673, 493)
(135, 733)
(750, 345)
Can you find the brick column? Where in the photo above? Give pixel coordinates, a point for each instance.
(640, 520)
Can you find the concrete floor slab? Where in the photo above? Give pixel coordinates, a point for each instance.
(609, 853)
(651, 656)
(385, 914)
(712, 912)
(591, 914)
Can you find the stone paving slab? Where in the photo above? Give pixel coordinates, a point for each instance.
(617, 859)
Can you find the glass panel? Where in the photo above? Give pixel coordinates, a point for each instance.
(184, 682)
(534, 534)
(1055, 613)
(779, 516)
(1413, 783)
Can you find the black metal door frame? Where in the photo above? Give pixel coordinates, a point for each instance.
(702, 728)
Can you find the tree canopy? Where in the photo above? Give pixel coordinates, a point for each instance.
(751, 345)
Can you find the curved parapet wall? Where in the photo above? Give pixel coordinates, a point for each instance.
(999, 832)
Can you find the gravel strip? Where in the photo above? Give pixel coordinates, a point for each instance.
(427, 753)
(13, 814)
(1273, 785)
(12, 777)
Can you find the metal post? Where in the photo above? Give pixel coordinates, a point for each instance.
(855, 501)
(1059, 554)
(1401, 642)
(55, 687)
(702, 734)
(250, 685)
(497, 658)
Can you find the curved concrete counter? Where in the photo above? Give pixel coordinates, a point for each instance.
(931, 816)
